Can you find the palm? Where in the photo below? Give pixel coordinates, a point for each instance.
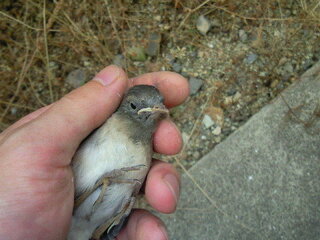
(41, 192)
(36, 180)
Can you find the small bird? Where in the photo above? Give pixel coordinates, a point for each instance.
(111, 164)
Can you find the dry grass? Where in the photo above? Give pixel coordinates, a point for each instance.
(41, 42)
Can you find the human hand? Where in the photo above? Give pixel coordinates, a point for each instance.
(37, 190)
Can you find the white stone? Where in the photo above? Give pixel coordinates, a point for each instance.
(217, 131)
(207, 121)
(185, 137)
(157, 18)
(203, 25)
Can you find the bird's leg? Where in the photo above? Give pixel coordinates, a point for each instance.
(129, 181)
(137, 184)
(110, 177)
(105, 184)
(132, 168)
(119, 172)
(116, 220)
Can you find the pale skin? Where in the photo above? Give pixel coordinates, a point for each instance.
(36, 180)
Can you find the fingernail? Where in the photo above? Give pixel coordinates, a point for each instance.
(173, 184)
(108, 75)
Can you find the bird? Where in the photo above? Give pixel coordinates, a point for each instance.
(111, 164)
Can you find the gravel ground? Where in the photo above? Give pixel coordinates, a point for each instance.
(237, 55)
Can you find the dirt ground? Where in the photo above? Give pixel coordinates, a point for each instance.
(237, 55)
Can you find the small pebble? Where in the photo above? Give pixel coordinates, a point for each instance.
(53, 65)
(196, 155)
(236, 97)
(288, 68)
(207, 121)
(137, 54)
(263, 74)
(217, 131)
(228, 100)
(203, 137)
(243, 35)
(76, 78)
(308, 64)
(119, 60)
(201, 54)
(13, 110)
(153, 47)
(157, 18)
(277, 33)
(86, 63)
(176, 67)
(216, 114)
(210, 45)
(282, 61)
(251, 58)
(185, 74)
(231, 91)
(203, 25)
(185, 137)
(195, 85)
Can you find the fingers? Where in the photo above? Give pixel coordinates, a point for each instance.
(163, 187)
(162, 192)
(142, 225)
(173, 86)
(167, 139)
(75, 115)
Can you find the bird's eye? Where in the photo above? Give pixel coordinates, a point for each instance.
(133, 106)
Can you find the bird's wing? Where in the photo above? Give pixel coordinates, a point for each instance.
(112, 228)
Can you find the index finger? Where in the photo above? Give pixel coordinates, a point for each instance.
(173, 87)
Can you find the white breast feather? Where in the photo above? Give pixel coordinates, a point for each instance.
(96, 159)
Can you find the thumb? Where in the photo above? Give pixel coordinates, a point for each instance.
(74, 116)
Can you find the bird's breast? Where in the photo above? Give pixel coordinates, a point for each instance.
(108, 148)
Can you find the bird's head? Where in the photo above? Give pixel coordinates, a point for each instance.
(144, 104)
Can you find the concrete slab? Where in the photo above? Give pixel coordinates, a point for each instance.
(262, 182)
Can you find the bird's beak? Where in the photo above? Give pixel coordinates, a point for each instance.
(156, 109)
